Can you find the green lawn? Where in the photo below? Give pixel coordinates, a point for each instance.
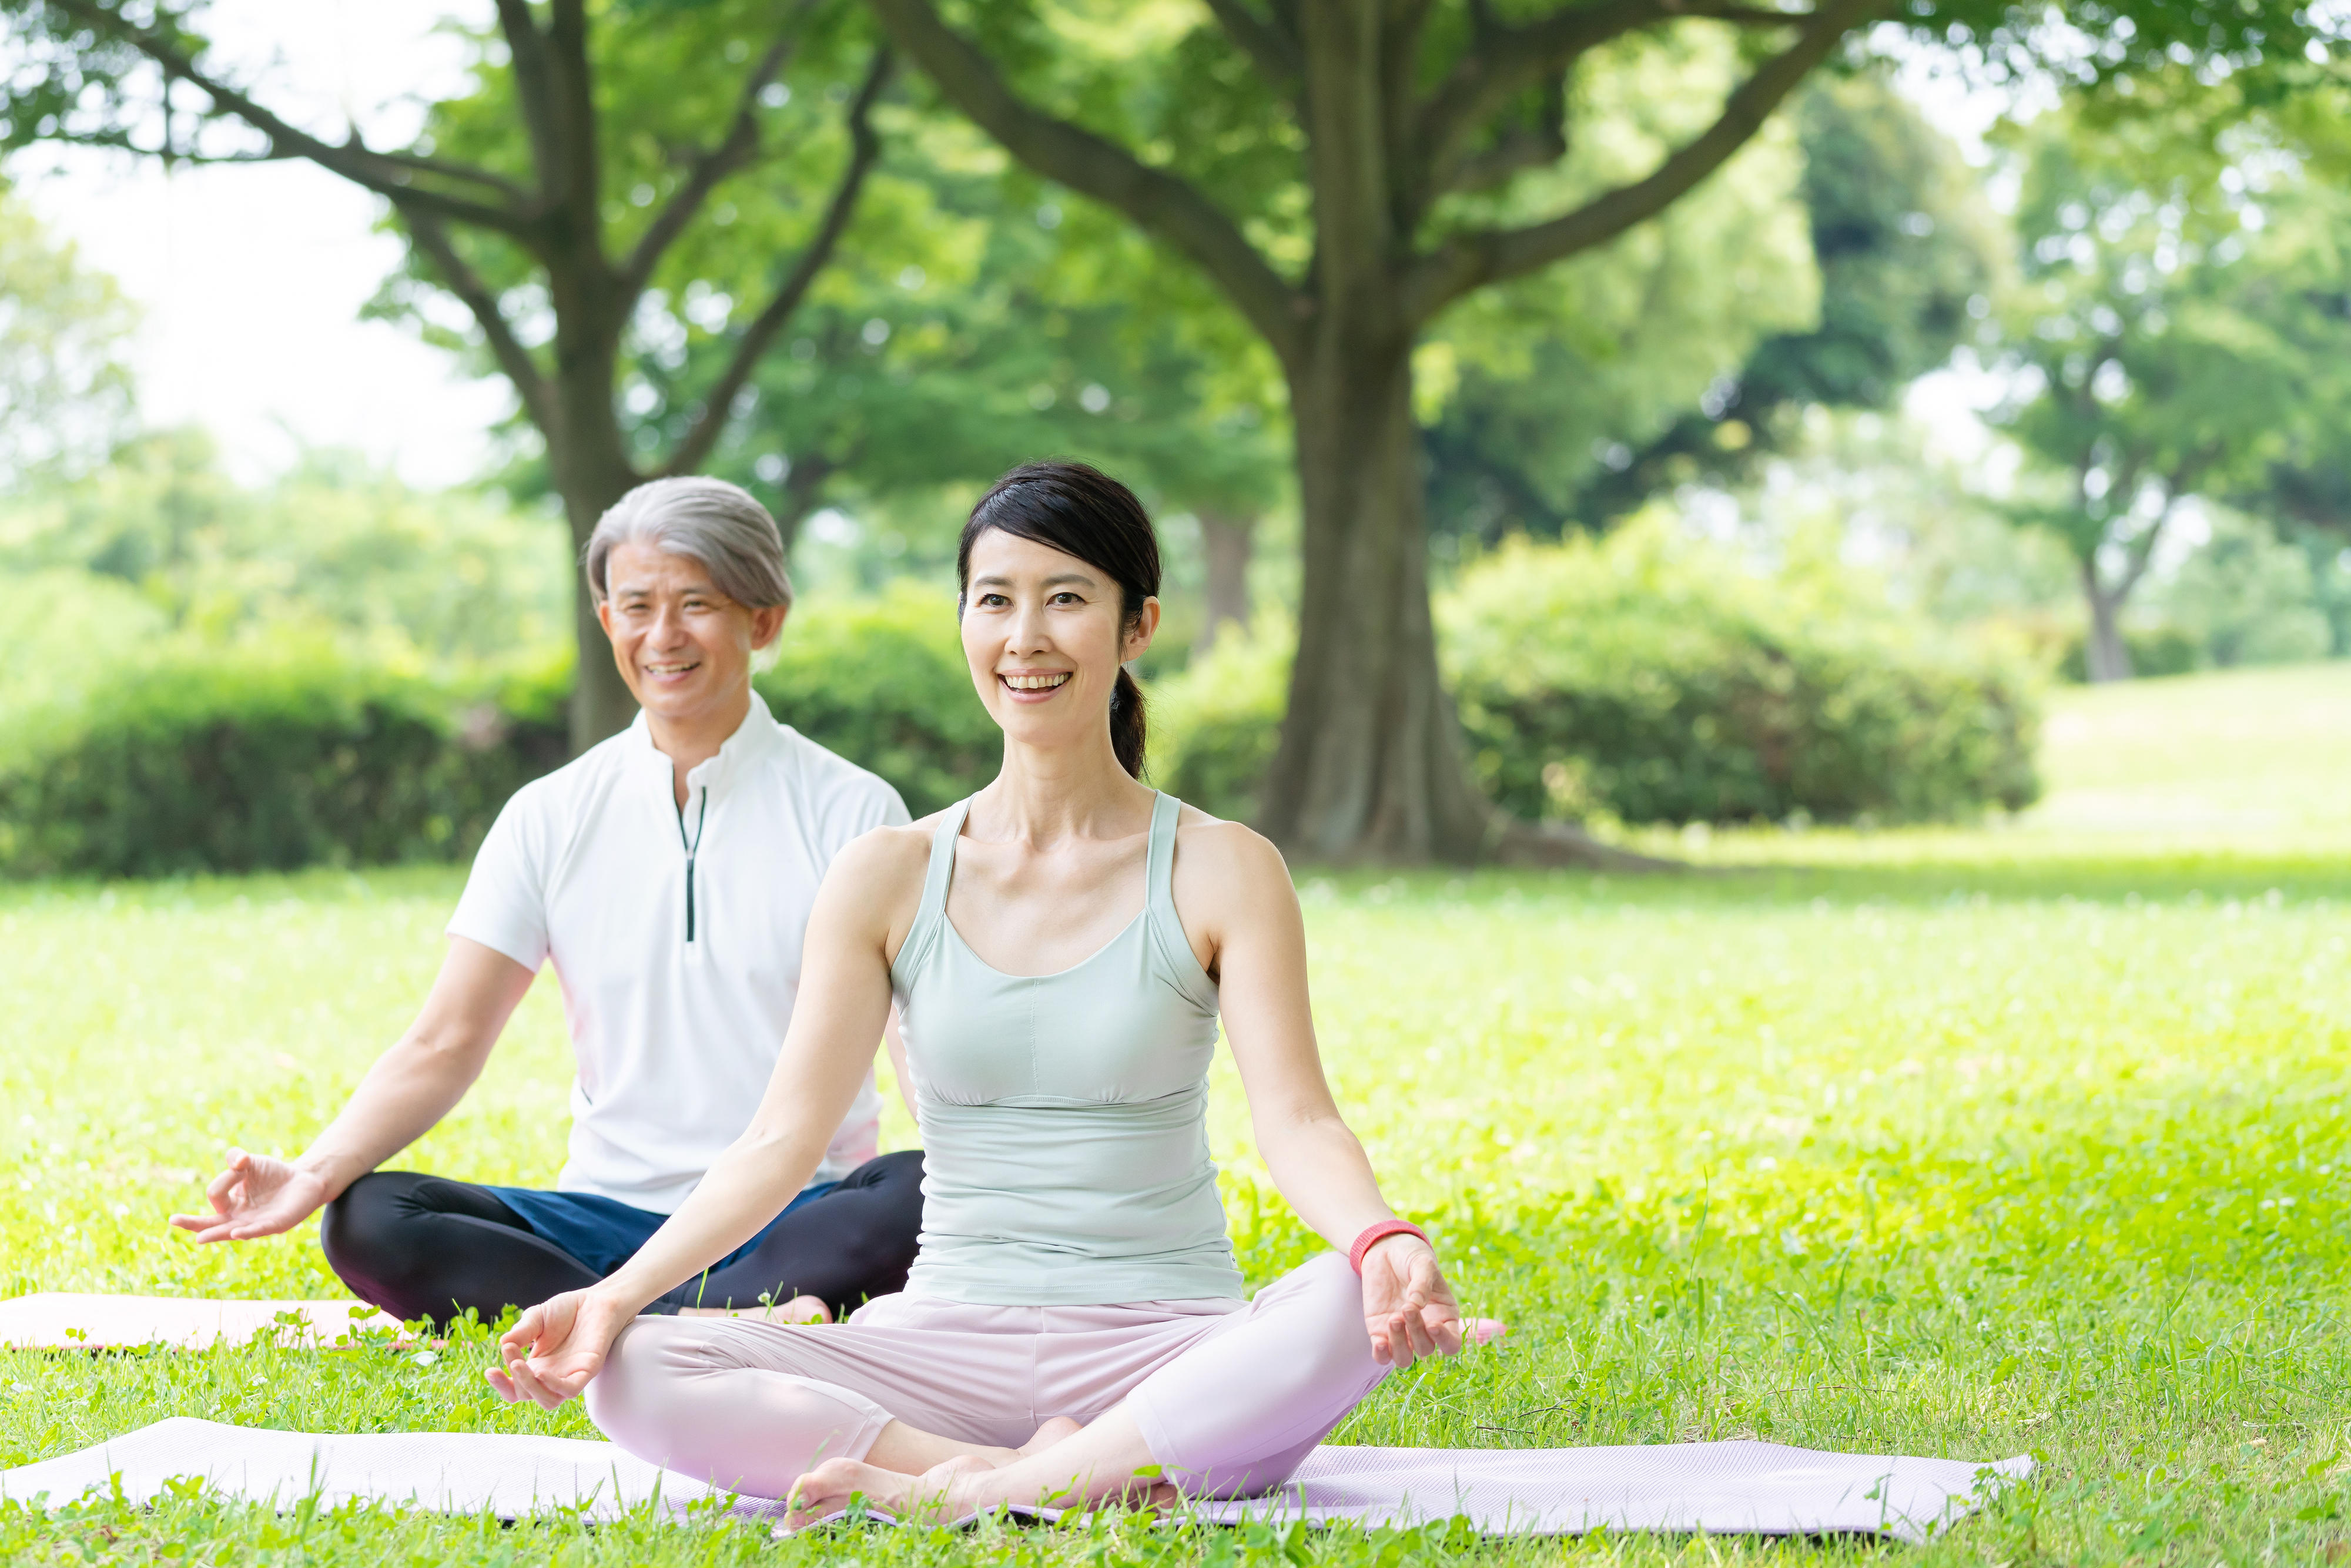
(2028, 1138)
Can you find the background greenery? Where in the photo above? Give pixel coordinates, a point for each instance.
(1960, 1141)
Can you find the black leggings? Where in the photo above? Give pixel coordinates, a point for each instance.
(426, 1247)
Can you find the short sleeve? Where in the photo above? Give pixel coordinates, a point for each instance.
(504, 906)
(862, 802)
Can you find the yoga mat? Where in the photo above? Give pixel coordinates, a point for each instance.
(54, 1320)
(1737, 1488)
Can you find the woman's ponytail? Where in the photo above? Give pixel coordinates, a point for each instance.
(1126, 723)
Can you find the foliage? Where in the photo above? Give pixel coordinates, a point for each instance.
(2246, 597)
(1903, 243)
(883, 682)
(1651, 678)
(65, 391)
(1213, 726)
(1972, 1145)
(333, 549)
(2181, 328)
(1543, 382)
(2155, 650)
(203, 758)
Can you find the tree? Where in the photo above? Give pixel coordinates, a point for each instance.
(548, 205)
(1911, 254)
(65, 391)
(1345, 171)
(2182, 325)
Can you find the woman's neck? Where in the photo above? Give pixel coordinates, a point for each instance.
(1045, 795)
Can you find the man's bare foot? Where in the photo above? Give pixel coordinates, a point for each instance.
(799, 1310)
(1051, 1432)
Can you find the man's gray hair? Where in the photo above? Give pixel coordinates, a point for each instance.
(717, 524)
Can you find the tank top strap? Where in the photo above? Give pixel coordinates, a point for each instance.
(942, 867)
(931, 915)
(1159, 887)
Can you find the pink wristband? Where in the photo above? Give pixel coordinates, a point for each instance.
(1374, 1234)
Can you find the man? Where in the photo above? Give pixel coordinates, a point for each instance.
(667, 873)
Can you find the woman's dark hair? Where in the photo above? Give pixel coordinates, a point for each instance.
(1082, 512)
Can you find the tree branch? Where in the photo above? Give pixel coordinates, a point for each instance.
(1162, 203)
(353, 160)
(467, 284)
(1504, 61)
(722, 158)
(534, 89)
(1471, 260)
(1523, 147)
(718, 403)
(1274, 51)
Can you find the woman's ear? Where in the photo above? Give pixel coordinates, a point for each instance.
(1139, 635)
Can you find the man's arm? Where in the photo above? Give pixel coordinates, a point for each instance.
(411, 1086)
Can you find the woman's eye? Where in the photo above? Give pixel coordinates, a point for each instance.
(1065, 597)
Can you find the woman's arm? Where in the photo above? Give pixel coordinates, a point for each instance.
(1260, 938)
(411, 1087)
(554, 1349)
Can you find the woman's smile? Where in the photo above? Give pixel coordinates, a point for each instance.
(1033, 686)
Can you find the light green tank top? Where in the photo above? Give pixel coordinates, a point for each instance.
(1064, 1116)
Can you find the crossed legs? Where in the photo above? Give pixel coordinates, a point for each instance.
(1223, 1403)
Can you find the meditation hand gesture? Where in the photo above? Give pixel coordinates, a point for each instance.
(556, 1348)
(1408, 1309)
(258, 1195)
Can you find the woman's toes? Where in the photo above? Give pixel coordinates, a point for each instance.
(1051, 1432)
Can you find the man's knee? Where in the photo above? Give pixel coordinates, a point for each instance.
(366, 1233)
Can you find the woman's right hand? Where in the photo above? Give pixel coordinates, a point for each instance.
(257, 1194)
(557, 1347)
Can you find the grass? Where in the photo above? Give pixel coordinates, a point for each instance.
(2034, 1139)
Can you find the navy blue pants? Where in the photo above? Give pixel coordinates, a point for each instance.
(427, 1246)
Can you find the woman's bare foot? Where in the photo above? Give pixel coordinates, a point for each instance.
(834, 1484)
(799, 1310)
(1483, 1331)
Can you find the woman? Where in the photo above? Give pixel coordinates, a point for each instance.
(1059, 946)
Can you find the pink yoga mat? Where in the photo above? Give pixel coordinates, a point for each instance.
(1736, 1489)
(57, 1319)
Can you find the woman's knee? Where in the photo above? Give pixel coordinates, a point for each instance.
(633, 1398)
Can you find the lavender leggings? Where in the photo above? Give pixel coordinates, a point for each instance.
(1229, 1398)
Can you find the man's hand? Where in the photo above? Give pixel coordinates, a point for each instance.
(1408, 1309)
(257, 1194)
(556, 1348)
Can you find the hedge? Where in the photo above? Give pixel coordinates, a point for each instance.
(1652, 679)
(1659, 679)
(205, 759)
(882, 681)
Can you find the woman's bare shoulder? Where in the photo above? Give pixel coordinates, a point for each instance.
(882, 857)
(1231, 854)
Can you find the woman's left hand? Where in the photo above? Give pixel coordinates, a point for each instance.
(1408, 1307)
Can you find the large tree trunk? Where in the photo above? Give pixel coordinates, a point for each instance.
(1228, 542)
(2104, 655)
(588, 454)
(1369, 764)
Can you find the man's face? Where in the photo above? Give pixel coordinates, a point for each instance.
(684, 647)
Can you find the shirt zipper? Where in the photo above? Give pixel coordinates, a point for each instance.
(693, 847)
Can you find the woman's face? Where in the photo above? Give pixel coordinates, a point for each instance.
(1041, 633)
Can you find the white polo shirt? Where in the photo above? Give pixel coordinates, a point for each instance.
(676, 937)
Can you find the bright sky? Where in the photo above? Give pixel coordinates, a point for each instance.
(253, 278)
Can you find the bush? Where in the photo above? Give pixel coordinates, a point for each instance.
(1214, 726)
(882, 681)
(1657, 679)
(246, 759)
(2154, 651)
